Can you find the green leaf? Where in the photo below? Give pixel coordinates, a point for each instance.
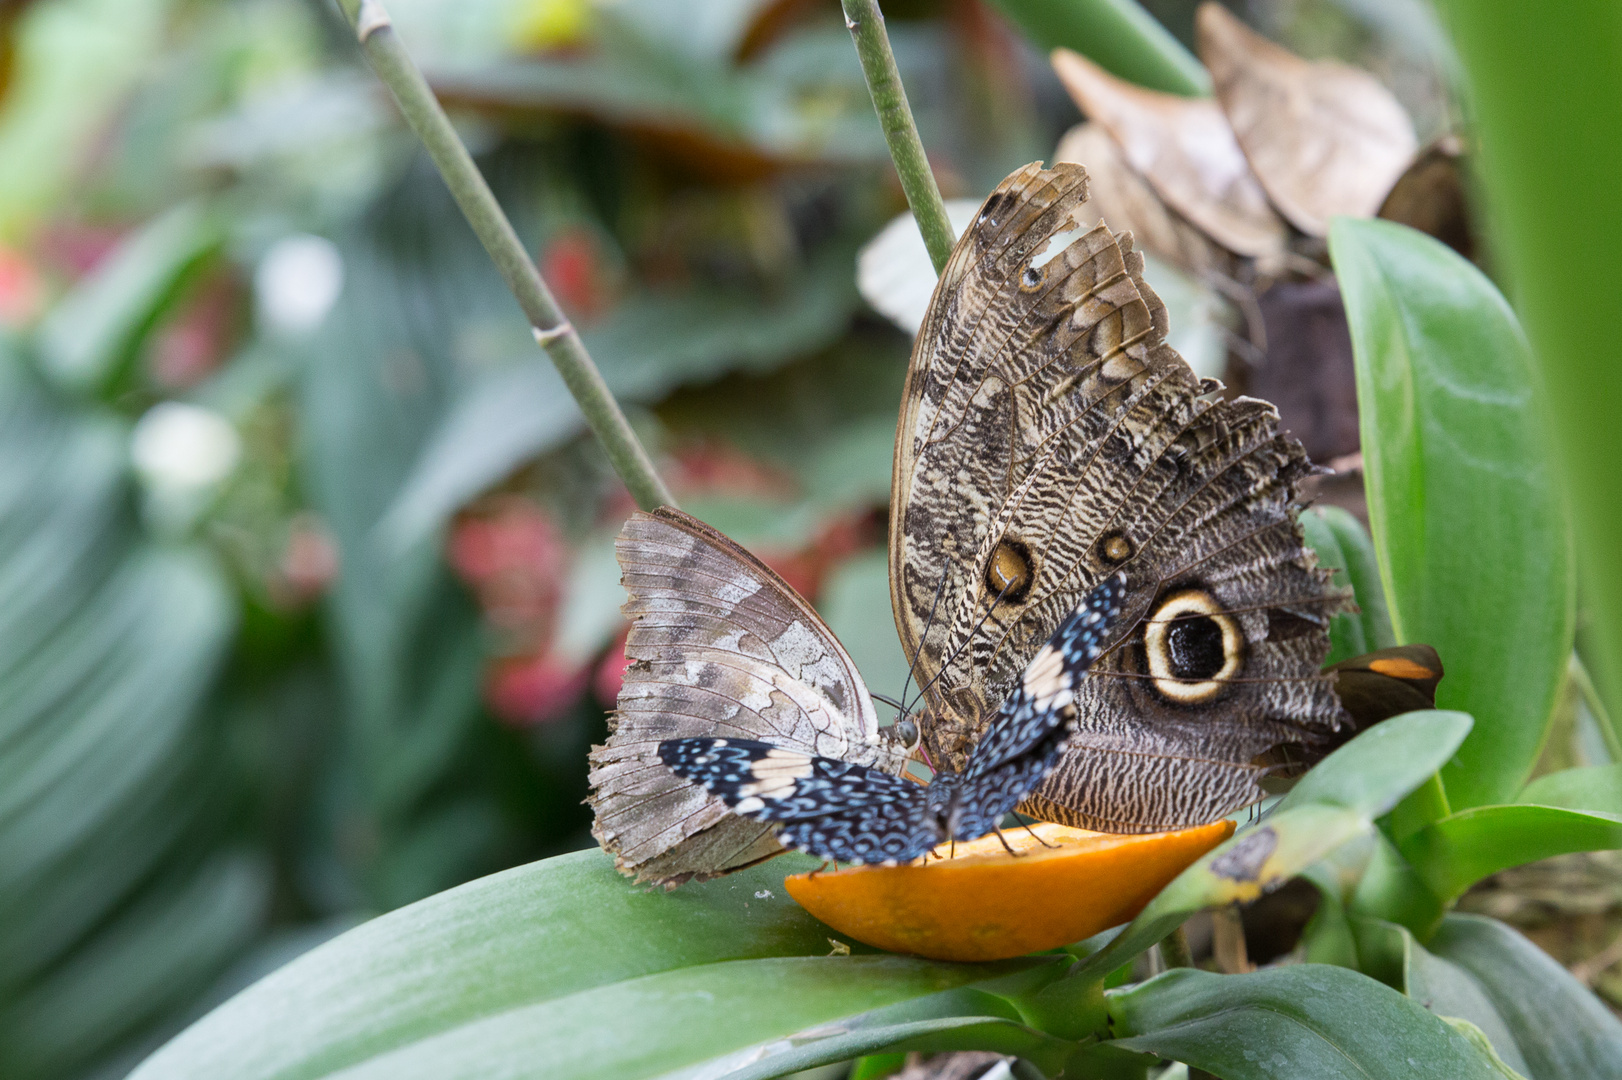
(1597, 787)
(88, 338)
(1562, 1029)
(1535, 85)
(1119, 34)
(1461, 849)
(1388, 952)
(1381, 765)
(1467, 519)
(856, 604)
(1305, 1020)
(1344, 545)
(1253, 862)
(560, 965)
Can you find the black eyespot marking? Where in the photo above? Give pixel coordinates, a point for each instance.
(1194, 644)
(1193, 648)
(1031, 278)
(1009, 571)
(1114, 548)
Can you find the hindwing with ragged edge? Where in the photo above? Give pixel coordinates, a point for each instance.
(1049, 437)
(720, 646)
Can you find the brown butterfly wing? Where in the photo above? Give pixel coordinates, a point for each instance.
(720, 647)
(1050, 437)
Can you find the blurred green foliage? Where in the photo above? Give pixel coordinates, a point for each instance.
(335, 635)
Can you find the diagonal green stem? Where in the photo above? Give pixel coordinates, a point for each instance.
(394, 66)
(866, 25)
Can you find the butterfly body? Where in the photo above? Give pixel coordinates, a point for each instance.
(849, 812)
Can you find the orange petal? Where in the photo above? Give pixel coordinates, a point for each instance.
(986, 904)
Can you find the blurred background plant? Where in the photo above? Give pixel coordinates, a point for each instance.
(308, 604)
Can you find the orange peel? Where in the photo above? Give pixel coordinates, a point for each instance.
(985, 904)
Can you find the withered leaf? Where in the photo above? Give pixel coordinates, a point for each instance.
(1323, 138)
(1185, 149)
(1120, 196)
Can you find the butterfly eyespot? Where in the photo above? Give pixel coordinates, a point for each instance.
(1031, 278)
(1009, 572)
(1193, 647)
(1114, 548)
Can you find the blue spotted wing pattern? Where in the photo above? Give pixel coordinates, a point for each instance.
(851, 813)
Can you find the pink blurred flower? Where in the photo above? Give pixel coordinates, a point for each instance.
(22, 294)
(527, 690)
(513, 558)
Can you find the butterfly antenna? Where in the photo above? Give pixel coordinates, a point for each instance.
(929, 624)
(890, 701)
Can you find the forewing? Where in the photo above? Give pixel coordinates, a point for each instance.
(1050, 437)
(720, 646)
(828, 808)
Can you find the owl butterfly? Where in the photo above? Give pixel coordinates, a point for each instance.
(1050, 438)
(720, 648)
(847, 812)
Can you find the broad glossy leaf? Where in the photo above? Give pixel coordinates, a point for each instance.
(1119, 34)
(1467, 519)
(558, 961)
(1336, 802)
(94, 330)
(1343, 545)
(1598, 787)
(963, 1019)
(1388, 952)
(1461, 849)
(1562, 1029)
(1286, 1023)
(1253, 862)
(1376, 769)
(1390, 888)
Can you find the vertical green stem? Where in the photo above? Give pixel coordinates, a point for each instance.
(394, 66)
(866, 25)
(1596, 707)
(1174, 950)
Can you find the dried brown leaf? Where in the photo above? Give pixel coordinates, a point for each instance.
(1186, 151)
(1323, 138)
(1121, 197)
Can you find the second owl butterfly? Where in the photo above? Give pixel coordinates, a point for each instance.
(1050, 438)
(848, 812)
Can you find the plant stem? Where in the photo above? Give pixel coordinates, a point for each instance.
(394, 66)
(1174, 950)
(866, 25)
(1596, 707)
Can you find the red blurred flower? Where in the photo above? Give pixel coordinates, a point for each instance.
(22, 294)
(512, 556)
(572, 264)
(525, 690)
(610, 674)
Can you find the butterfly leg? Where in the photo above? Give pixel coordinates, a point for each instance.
(820, 869)
(1005, 846)
(1038, 839)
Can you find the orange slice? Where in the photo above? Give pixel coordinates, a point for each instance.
(986, 904)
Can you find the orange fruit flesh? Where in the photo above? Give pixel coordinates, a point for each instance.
(985, 904)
